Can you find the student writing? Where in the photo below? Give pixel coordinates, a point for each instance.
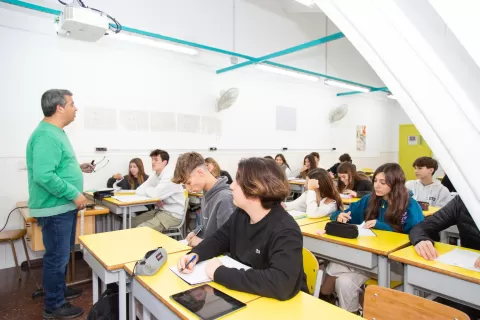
(260, 234)
(352, 182)
(217, 201)
(389, 207)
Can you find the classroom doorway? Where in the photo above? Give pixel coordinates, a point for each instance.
(411, 146)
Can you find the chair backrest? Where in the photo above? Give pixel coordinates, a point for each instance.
(310, 267)
(385, 303)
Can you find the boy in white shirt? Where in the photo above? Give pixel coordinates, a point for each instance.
(425, 188)
(170, 210)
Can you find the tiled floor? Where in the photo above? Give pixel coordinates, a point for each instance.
(16, 296)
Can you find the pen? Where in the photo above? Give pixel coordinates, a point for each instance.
(191, 260)
(93, 161)
(198, 231)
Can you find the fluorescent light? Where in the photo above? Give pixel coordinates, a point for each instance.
(308, 3)
(345, 85)
(154, 43)
(391, 96)
(286, 72)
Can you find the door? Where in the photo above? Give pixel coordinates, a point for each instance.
(411, 146)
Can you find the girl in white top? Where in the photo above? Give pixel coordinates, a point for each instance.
(321, 198)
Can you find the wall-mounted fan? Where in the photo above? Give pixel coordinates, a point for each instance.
(338, 113)
(227, 99)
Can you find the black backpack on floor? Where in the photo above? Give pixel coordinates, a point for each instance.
(106, 307)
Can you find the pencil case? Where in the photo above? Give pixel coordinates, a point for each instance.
(343, 230)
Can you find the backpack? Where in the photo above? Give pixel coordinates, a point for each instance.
(106, 307)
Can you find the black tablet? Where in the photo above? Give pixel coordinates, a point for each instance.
(207, 302)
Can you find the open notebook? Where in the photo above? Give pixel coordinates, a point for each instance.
(460, 258)
(199, 274)
(362, 232)
(132, 198)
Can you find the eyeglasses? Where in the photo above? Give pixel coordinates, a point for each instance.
(103, 166)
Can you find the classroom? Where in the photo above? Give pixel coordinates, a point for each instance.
(235, 159)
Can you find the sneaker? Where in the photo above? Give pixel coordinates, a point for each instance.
(67, 311)
(72, 293)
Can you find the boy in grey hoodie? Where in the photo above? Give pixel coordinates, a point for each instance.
(425, 188)
(217, 202)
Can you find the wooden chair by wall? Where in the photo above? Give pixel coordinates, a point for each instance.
(384, 303)
(11, 236)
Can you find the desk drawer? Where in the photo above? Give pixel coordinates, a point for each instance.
(447, 286)
(339, 253)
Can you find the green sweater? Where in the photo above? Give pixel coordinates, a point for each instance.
(55, 179)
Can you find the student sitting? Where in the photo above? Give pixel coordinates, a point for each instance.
(268, 157)
(169, 212)
(214, 169)
(352, 182)
(448, 184)
(453, 213)
(426, 189)
(259, 233)
(280, 160)
(316, 156)
(309, 163)
(136, 176)
(321, 197)
(343, 158)
(390, 207)
(217, 201)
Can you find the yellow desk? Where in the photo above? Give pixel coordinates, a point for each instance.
(302, 306)
(431, 210)
(304, 221)
(34, 231)
(107, 253)
(364, 252)
(154, 292)
(297, 186)
(122, 208)
(350, 201)
(455, 283)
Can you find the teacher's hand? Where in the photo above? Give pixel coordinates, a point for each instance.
(81, 202)
(87, 167)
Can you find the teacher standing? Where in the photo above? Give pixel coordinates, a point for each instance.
(55, 185)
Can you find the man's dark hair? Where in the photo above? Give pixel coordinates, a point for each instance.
(162, 153)
(428, 162)
(53, 98)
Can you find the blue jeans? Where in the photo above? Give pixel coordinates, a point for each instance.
(58, 238)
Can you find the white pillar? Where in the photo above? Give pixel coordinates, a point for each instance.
(433, 76)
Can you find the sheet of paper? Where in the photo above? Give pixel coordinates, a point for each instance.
(199, 274)
(362, 232)
(125, 191)
(184, 241)
(297, 214)
(460, 258)
(296, 179)
(345, 196)
(132, 198)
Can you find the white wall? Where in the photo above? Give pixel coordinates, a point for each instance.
(121, 76)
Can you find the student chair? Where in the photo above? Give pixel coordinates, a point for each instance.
(11, 236)
(383, 303)
(180, 231)
(313, 272)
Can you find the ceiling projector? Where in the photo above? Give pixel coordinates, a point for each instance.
(82, 24)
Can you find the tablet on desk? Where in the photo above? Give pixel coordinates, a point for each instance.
(207, 302)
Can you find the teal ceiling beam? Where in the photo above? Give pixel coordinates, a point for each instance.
(32, 6)
(357, 92)
(35, 7)
(283, 52)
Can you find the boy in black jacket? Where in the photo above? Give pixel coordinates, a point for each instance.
(453, 213)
